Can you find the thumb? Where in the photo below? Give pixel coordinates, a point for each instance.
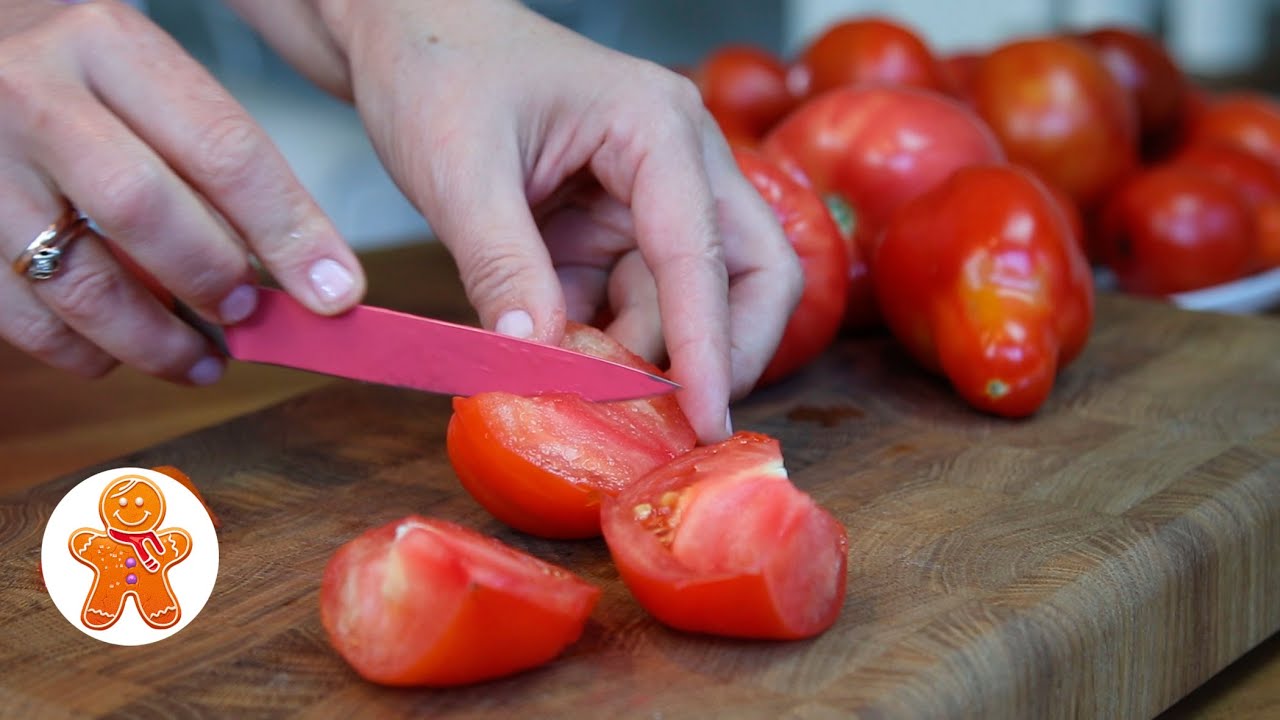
(486, 224)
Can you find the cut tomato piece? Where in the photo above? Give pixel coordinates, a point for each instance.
(720, 541)
(186, 481)
(542, 464)
(426, 602)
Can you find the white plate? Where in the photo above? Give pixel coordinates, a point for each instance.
(1249, 295)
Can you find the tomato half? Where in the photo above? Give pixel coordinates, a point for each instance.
(422, 601)
(823, 254)
(542, 464)
(189, 484)
(867, 151)
(866, 50)
(720, 541)
(745, 90)
(1172, 229)
(981, 280)
(1057, 110)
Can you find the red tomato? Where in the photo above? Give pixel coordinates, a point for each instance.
(1246, 120)
(867, 150)
(425, 602)
(542, 464)
(823, 254)
(1172, 229)
(1057, 110)
(980, 280)
(720, 542)
(1142, 66)
(958, 70)
(1256, 181)
(866, 50)
(745, 90)
(186, 482)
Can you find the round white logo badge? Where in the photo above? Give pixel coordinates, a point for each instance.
(130, 556)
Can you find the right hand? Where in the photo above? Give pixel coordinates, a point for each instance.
(105, 111)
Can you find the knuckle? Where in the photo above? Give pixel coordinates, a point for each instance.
(86, 295)
(129, 196)
(492, 274)
(41, 334)
(227, 150)
(100, 18)
(210, 278)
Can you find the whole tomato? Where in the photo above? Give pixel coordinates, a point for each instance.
(1242, 119)
(1171, 229)
(745, 90)
(981, 281)
(1142, 66)
(866, 50)
(823, 254)
(1255, 180)
(869, 149)
(958, 69)
(1057, 110)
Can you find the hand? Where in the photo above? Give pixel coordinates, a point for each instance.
(104, 111)
(561, 174)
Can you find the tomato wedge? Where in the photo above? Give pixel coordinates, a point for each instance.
(542, 464)
(423, 601)
(720, 541)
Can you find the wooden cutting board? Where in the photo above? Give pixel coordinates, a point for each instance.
(1099, 560)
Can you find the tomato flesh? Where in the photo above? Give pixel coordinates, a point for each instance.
(426, 602)
(542, 464)
(721, 542)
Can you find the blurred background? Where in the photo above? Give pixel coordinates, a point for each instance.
(1221, 42)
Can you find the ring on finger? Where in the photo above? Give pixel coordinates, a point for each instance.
(42, 258)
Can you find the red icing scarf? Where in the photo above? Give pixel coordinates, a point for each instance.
(137, 540)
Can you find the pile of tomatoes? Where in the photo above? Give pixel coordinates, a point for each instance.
(972, 196)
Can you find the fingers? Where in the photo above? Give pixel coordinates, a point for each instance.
(633, 296)
(192, 125)
(92, 313)
(483, 217)
(765, 275)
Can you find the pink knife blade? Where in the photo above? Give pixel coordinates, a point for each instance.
(393, 348)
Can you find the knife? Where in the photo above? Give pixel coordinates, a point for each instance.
(383, 346)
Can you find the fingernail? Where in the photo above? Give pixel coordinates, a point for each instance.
(332, 282)
(238, 304)
(205, 372)
(728, 422)
(515, 323)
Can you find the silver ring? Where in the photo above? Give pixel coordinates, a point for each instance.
(42, 258)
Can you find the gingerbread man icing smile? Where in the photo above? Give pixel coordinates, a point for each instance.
(132, 557)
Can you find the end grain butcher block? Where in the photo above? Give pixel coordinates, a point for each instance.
(1099, 560)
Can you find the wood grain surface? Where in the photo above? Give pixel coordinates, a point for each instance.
(1100, 560)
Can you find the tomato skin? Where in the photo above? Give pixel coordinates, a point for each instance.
(745, 90)
(1173, 229)
(189, 484)
(542, 464)
(981, 281)
(868, 150)
(1142, 66)
(1255, 180)
(425, 602)
(748, 555)
(1057, 110)
(823, 254)
(958, 70)
(1250, 121)
(866, 50)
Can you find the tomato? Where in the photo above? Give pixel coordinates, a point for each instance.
(1255, 180)
(1057, 110)
(1246, 120)
(425, 602)
(1172, 229)
(719, 541)
(980, 280)
(958, 70)
(186, 482)
(541, 464)
(745, 90)
(867, 150)
(866, 50)
(823, 254)
(1142, 66)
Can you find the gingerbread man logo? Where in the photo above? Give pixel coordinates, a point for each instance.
(131, 556)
